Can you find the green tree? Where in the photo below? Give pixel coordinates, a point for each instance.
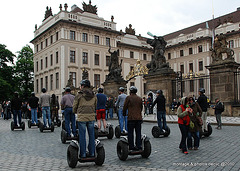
(6, 73)
(24, 71)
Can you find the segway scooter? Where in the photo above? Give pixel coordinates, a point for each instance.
(41, 127)
(73, 153)
(206, 133)
(109, 131)
(118, 132)
(63, 125)
(57, 123)
(65, 138)
(13, 126)
(156, 132)
(30, 124)
(123, 149)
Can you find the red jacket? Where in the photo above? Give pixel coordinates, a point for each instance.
(185, 118)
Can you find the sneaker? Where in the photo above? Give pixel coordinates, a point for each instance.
(190, 148)
(195, 148)
(185, 152)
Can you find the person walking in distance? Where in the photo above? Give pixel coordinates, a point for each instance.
(44, 102)
(54, 107)
(133, 104)
(101, 109)
(67, 105)
(120, 103)
(33, 104)
(84, 106)
(202, 101)
(219, 108)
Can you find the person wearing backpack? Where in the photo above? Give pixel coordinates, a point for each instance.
(219, 108)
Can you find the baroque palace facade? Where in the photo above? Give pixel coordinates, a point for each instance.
(70, 41)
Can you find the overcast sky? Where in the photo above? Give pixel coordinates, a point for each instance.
(18, 17)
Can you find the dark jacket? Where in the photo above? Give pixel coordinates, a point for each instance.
(33, 102)
(218, 108)
(202, 101)
(133, 103)
(160, 100)
(194, 117)
(16, 104)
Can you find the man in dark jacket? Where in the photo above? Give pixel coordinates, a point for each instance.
(16, 105)
(218, 111)
(33, 103)
(161, 110)
(133, 103)
(202, 101)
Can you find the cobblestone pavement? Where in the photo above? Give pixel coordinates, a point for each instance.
(32, 150)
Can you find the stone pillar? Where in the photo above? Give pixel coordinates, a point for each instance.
(111, 87)
(222, 83)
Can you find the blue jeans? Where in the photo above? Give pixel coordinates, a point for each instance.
(82, 138)
(110, 113)
(122, 119)
(46, 113)
(2, 114)
(161, 117)
(34, 115)
(70, 117)
(184, 131)
(137, 125)
(17, 113)
(196, 139)
(106, 114)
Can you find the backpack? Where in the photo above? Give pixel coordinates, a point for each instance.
(222, 110)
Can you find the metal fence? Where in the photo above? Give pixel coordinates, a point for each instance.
(237, 88)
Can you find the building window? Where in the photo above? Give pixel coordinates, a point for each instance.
(201, 83)
(132, 84)
(37, 65)
(183, 86)
(37, 48)
(51, 39)
(200, 48)
(51, 59)
(56, 36)
(107, 60)
(200, 65)
(144, 88)
(57, 80)
(46, 62)
(41, 83)
(72, 35)
(190, 51)
(107, 41)
(46, 82)
(182, 68)
(131, 54)
(73, 74)
(56, 57)
(152, 57)
(145, 56)
(72, 56)
(181, 53)
(191, 67)
(85, 37)
(41, 45)
(231, 44)
(46, 43)
(41, 65)
(169, 55)
(85, 58)
(96, 80)
(37, 86)
(51, 82)
(96, 59)
(191, 85)
(96, 39)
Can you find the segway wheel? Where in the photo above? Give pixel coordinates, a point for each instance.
(147, 149)
(41, 127)
(167, 133)
(29, 124)
(100, 156)
(96, 132)
(117, 132)
(12, 126)
(209, 130)
(63, 136)
(72, 156)
(63, 125)
(39, 123)
(111, 133)
(156, 131)
(52, 127)
(122, 150)
(58, 123)
(23, 126)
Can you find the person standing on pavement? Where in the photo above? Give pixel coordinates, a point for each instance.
(119, 104)
(133, 104)
(110, 107)
(194, 129)
(54, 107)
(33, 104)
(149, 105)
(202, 101)
(69, 115)
(84, 106)
(16, 104)
(219, 108)
(44, 102)
(183, 112)
(101, 109)
(161, 110)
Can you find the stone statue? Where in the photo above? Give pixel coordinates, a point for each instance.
(220, 47)
(130, 30)
(89, 8)
(159, 60)
(84, 74)
(48, 13)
